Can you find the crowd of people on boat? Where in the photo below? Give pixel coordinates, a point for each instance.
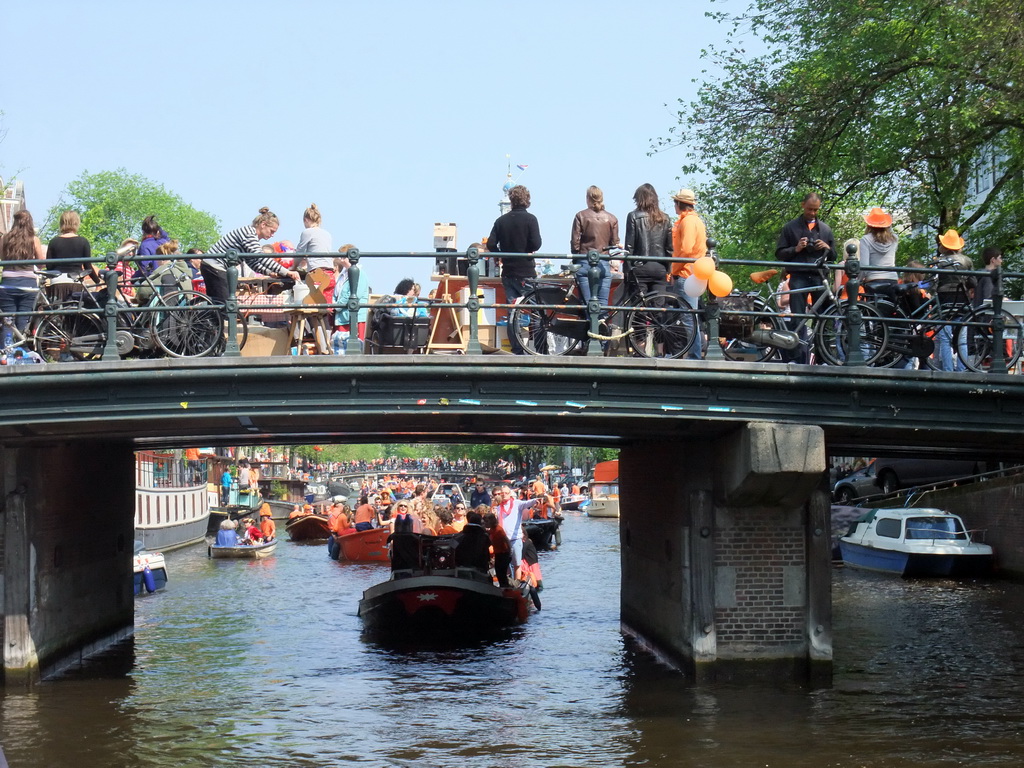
(245, 532)
(494, 516)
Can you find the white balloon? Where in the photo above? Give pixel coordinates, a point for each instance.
(694, 286)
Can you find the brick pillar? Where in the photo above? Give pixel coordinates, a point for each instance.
(68, 519)
(725, 552)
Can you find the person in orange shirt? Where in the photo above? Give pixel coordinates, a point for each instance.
(338, 520)
(538, 488)
(501, 547)
(689, 241)
(267, 525)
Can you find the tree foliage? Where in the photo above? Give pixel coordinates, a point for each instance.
(896, 103)
(112, 205)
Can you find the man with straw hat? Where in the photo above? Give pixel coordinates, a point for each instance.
(689, 241)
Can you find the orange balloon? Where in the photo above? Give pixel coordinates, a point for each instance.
(704, 267)
(720, 284)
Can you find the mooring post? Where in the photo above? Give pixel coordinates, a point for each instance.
(110, 308)
(473, 302)
(231, 306)
(353, 344)
(713, 314)
(854, 315)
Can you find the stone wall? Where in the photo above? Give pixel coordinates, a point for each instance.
(69, 524)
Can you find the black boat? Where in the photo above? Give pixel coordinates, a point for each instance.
(544, 533)
(439, 588)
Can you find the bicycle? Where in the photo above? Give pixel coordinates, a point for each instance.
(552, 319)
(174, 322)
(916, 323)
(753, 328)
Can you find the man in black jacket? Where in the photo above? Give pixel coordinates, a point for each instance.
(516, 232)
(803, 241)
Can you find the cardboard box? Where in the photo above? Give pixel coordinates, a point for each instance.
(485, 315)
(487, 334)
(266, 342)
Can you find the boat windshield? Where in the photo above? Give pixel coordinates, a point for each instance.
(935, 528)
(601, 490)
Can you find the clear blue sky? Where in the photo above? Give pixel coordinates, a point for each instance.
(390, 115)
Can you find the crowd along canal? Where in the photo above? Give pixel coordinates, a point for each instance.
(263, 663)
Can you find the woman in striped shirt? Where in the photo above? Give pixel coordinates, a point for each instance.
(246, 241)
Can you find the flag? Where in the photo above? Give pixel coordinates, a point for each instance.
(522, 167)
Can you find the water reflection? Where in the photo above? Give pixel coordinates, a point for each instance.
(264, 664)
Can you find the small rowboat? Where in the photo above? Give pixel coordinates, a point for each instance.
(244, 551)
(361, 546)
(308, 528)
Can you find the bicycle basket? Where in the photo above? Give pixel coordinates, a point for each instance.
(731, 322)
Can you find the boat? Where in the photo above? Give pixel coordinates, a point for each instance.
(544, 533)
(572, 503)
(172, 506)
(604, 490)
(431, 595)
(308, 528)
(921, 541)
(243, 551)
(360, 546)
(149, 570)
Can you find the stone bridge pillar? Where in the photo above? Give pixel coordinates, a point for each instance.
(725, 552)
(68, 529)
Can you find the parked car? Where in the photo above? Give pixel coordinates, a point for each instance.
(891, 475)
(855, 485)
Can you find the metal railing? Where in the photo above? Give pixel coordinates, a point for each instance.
(112, 312)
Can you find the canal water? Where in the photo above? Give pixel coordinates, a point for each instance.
(263, 664)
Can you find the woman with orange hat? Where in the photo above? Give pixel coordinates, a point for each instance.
(878, 255)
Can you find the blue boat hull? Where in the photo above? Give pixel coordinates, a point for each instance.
(913, 564)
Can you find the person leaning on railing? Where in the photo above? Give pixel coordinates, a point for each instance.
(19, 285)
(246, 241)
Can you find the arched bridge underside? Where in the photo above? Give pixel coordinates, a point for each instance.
(509, 399)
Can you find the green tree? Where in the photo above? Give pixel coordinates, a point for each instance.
(898, 103)
(112, 205)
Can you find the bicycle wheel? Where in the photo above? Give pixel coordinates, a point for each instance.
(975, 340)
(903, 341)
(188, 324)
(750, 330)
(71, 336)
(533, 330)
(831, 334)
(659, 325)
(242, 332)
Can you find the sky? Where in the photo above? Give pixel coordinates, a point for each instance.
(390, 115)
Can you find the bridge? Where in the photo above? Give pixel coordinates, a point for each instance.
(724, 513)
(724, 508)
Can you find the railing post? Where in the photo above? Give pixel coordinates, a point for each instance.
(110, 309)
(473, 304)
(594, 348)
(353, 345)
(854, 315)
(231, 306)
(713, 313)
(998, 364)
